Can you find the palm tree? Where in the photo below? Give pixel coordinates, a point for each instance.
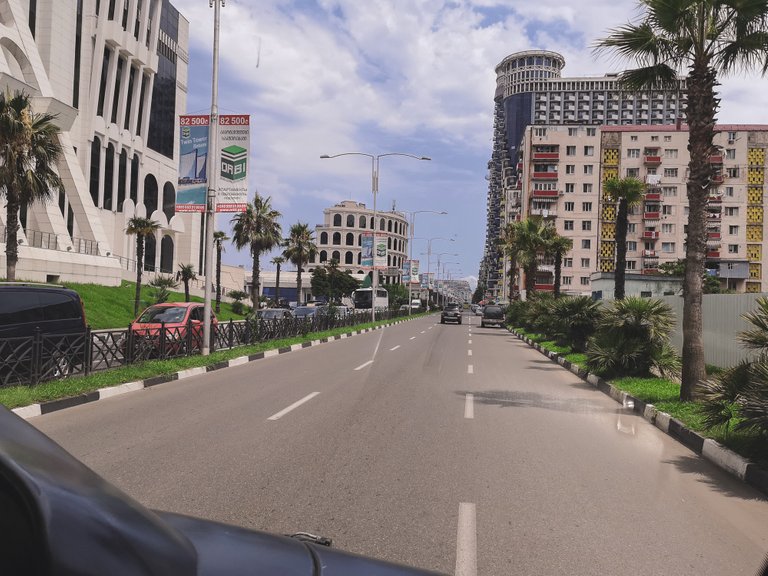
(707, 38)
(278, 262)
(508, 248)
(300, 249)
(258, 229)
(557, 246)
(626, 192)
(530, 240)
(142, 228)
(186, 274)
(29, 150)
(219, 238)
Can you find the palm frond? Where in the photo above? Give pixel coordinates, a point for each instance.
(652, 76)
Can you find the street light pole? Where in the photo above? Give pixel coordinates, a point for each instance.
(374, 190)
(210, 209)
(410, 248)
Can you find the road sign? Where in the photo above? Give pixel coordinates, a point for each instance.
(392, 271)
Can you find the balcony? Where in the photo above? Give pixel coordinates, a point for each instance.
(713, 236)
(718, 179)
(650, 271)
(546, 156)
(546, 194)
(649, 254)
(653, 197)
(716, 159)
(651, 160)
(544, 176)
(545, 287)
(650, 235)
(544, 212)
(652, 215)
(714, 216)
(713, 253)
(715, 198)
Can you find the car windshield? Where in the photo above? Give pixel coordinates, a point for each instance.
(452, 307)
(158, 314)
(304, 311)
(272, 314)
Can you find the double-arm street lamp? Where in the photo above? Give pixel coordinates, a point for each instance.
(410, 248)
(375, 190)
(443, 275)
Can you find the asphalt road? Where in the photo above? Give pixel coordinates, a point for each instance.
(455, 448)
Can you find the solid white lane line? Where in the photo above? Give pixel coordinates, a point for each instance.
(466, 541)
(470, 369)
(469, 352)
(364, 365)
(413, 337)
(395, 348)
(423, 331)
(469, 342)
(469, 406)
(293, 406)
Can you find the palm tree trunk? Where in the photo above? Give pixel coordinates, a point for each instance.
(558, 267)
(277, 286)
(255, 280)
(530, 279)
(11, 240)
(621, 250)
(298, 284)
(701, 109)
(139, 266)
(512, 272)
(186, 290)
(218, 277)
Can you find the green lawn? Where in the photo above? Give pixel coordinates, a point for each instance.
(112, 306)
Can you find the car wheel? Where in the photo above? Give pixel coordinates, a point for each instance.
(459, 321)
(442, 320)
(482, 324)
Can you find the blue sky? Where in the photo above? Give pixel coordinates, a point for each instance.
(385, 76)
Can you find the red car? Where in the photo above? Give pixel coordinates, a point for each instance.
(174, 319)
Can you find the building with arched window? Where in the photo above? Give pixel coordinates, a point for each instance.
(114, 74)
(346, 222)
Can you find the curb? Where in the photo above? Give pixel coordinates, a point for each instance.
(707, 448)
(39, 409)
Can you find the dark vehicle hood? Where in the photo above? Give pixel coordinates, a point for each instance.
(63, 518)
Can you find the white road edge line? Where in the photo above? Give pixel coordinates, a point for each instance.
(293, 406)
(469, 406)
(470, 369)
(469, 342)
(469, 352)
(423, 331)
(395, 348)
(364, 365)
(466, 541)
(413, 337)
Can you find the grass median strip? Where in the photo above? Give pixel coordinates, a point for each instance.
(16, 396)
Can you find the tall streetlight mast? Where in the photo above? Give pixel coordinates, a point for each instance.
(410, 248)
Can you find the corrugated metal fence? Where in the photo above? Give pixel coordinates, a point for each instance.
(722, 323)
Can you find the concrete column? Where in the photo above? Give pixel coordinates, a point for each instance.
(132, 125)
(102, 171)
(122, 101)
(109, 94)
(147, 107)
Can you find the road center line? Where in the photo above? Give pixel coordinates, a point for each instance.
(469, 352)
(413, 337)
(466, 541)
(423, 331)
(395, 348)
(470, 369)
(469, 342)
(364, 365)
(293, 406)
(469, 406)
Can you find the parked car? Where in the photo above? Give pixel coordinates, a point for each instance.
(60, 517)
(274, 314)
(403, 308)
(493, 315)
(307, 312)
(174, 319)
(451, 313)
(57, 316)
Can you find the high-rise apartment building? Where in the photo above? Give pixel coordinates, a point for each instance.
(115, 74)
(531, 91)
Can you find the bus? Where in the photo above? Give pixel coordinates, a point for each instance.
(361, 299)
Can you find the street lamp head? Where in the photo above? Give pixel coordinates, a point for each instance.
(425, 158)
(324, 157)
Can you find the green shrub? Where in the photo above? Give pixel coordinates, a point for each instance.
(574, 320)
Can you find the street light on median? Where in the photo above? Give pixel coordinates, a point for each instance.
(410, 247)
(375, 190)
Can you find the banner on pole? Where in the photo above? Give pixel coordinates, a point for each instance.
(414, 271)
(366, 256)
(193, 157)
(380, 257)
(234, 145)
(406, 277)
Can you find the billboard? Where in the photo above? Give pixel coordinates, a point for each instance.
(234, 143)
(366, 256)
(380, 257)
(406, 277)
(414, 272)
(193, 161)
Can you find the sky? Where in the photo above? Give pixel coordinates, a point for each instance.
(381, 76)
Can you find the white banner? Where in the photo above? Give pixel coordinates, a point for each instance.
(234, 145)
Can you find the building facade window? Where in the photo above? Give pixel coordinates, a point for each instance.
(336, 239)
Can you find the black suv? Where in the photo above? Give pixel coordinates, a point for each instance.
(451, 312)
(493, 315)
(42, 332)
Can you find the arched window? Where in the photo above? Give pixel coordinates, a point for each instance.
(389, 243)
(359, 239)
(373, 224)
(337, 219)
(359, 258)
(95, 169)
(389, 225)
(150, 194)
(348, 258)
(336, 256)
(382, 224)
(360, 272)
(109, 173)
(169, 200)
(323, 256)
(389, 260)
(122, 175)
(350, 239)
(336, 238)
(323, 238)
(166, 255)
(135, 178)
(150, 247)
(350, 221)
(312, 259)
(362, 221)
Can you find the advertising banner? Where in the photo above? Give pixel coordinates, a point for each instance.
(406, 272)
(380, 258)
(431, 280)
(414, 272)
(234, 145)
(424, 284)
(366, 257)
(193, 157)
